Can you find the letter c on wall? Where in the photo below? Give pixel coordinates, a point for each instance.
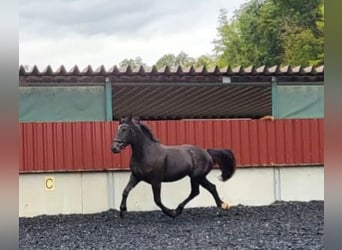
(49, 183)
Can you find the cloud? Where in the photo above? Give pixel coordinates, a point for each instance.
(123, 18)
(110, 50)
(107, 31)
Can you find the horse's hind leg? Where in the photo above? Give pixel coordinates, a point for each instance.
(133, 181)
(212, 189)
(194, 192)
(156, 187)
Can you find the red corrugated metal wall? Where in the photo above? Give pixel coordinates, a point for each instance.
(75, 146)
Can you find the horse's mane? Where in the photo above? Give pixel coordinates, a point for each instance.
(147, 131)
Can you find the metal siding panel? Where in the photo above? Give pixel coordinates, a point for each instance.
(172, 131)
(321, 140)
(26, 147)
(236, 141)
(78, 145)
(199, 134)
(49, 148)
(33, 146)
(298, 136)
(218, 135)
(245, 143)
(58, 146)
(86, 145)
(94, 149)
(180, 132)
(271, 142)
(68, 146)
(38, 146)
(306, 142)
(280, 141)
(226, 134)
(314, 135)
(162, 132)
(254, 147)
(208, 134)
(262, 142)
(289, 158)
(190, 132)
(21, 148)
(97, 146)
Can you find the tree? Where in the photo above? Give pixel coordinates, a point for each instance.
(225, 46)
(270, 32)
(320, 26)
(301, 47)
(134, 63)
(171, 60)
(251, 37)
(208, 61)
(184, 60)
(168, 59)
(303, 36)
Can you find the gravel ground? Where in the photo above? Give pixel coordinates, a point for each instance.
(282, 225)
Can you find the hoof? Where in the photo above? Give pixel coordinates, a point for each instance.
(179, 210)
(224, 205)
(122, 213)
(171, 213)
(123, 209)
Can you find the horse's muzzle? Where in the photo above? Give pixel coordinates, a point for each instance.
(117, 146)
(116, 150)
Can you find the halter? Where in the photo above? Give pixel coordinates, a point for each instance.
(124, 142)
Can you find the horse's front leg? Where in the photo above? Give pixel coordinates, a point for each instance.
(156, 187)
(133, 181)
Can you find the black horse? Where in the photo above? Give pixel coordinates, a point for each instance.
(155, 163)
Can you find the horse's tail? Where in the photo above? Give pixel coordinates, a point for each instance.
(225, 158)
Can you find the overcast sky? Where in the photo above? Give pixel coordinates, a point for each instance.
(104, 32)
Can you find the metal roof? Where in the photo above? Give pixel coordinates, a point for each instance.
(177, 92)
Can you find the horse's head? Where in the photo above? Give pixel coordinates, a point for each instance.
(125, 134)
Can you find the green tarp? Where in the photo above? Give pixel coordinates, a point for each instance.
(62, 103)
(305, 101)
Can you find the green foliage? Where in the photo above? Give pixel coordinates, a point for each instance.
(271, 32)
(168, 59)
(182, 59)
(208, 61)
(320, 25)
(301, 47)
(133, 63)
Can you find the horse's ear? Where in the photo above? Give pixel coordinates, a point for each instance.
(136, 120)
(122, 120)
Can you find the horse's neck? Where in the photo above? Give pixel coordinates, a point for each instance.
(142, 146)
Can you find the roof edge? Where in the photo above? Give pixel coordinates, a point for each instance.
(178, 70)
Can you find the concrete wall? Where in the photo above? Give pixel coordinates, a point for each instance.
(91, 192)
